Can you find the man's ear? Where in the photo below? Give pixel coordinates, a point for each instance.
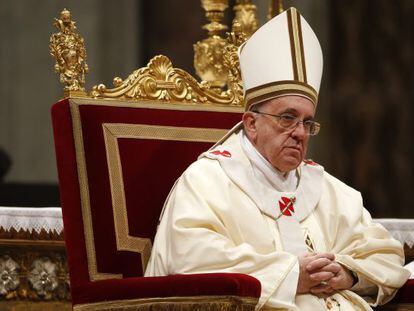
(250, 126)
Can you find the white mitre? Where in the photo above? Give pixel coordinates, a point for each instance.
(283, 57)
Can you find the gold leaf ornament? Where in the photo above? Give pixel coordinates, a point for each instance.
(160, 81)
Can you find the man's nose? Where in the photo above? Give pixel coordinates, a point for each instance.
(299, 131)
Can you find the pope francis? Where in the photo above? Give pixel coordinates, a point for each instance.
(252, 204)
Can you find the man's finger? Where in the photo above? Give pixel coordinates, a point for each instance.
(333, 267)
(321, 276)
(329, 256)
(321, 289)
(317, 264)
(335, 281)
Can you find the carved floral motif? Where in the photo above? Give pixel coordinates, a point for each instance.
(9, 275)
(43, 277)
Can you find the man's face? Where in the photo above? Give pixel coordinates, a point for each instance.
(283, 148)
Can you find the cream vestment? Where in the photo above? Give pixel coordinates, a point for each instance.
(226, 213)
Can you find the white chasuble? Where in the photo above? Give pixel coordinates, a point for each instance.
(226, 213)
(287, 200)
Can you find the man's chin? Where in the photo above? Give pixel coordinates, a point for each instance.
(288, 164)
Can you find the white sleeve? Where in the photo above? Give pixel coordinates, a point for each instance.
(284, 296)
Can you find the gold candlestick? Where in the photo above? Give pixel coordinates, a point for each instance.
(275, 7)
(208, 53)
(246, 17)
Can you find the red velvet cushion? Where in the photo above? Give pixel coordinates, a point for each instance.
(405, 294)
(168, 286)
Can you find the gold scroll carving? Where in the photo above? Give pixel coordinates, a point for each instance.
(161, 81)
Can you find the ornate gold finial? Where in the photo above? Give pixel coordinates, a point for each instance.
(245, 14)
(275, 7)
(208, 53)
(68, 48)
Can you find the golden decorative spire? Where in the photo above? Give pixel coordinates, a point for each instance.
(208, 53)
(275, 7)
(68, 48)
(245, 15)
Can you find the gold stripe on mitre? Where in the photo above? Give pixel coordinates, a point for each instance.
(296, 45)
(275, 89)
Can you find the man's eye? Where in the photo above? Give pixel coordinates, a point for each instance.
(287, 117)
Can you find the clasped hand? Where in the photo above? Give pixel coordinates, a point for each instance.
(320, 274)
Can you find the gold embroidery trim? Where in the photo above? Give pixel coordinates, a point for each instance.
(295, 33)
(234, 303)
(278, 88)
(292, 45)
(302, 52)
(84, 195)
(310, 245)
(157, 105)
(113, 131)
(146, 131)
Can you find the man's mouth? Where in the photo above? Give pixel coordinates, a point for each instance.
(294, 147)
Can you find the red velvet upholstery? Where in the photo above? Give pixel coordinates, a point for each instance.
(149, 168)
(405, 294)
(214, 284)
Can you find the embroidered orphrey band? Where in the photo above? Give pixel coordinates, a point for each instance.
(296, 45)
(275, 89)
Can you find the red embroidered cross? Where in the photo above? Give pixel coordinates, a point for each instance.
(286, 206)
(310, 162)
(223, 153)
